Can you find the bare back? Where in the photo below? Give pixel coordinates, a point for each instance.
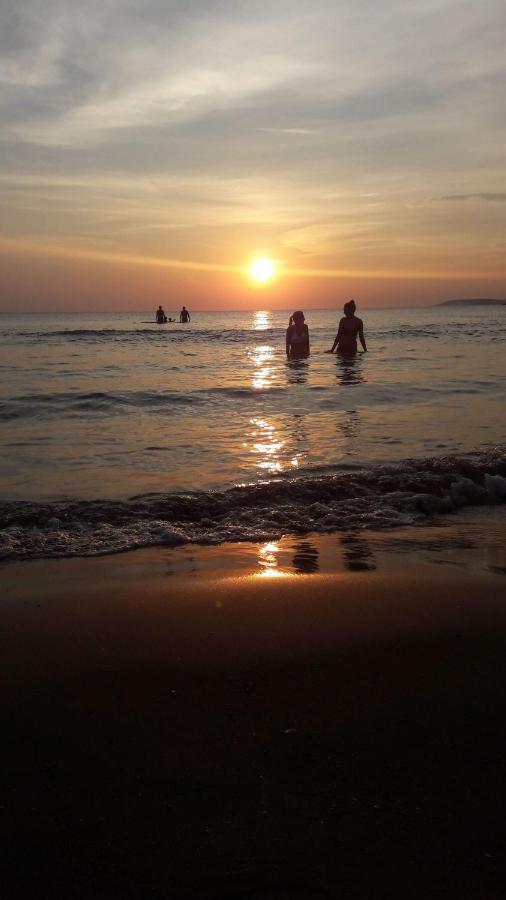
(349, 328)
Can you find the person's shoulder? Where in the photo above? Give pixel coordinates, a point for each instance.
(359, 320)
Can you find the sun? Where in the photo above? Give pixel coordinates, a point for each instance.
(262, 269)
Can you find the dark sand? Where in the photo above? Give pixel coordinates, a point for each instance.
(216, 733)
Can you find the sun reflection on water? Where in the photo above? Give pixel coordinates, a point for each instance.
(262, 319)
(266, 446)
(271, 452)
(261, 357)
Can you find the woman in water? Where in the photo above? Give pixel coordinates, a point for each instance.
(297, 335)
(349, 327)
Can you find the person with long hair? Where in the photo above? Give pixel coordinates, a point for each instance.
(350, 327)
(297, 335)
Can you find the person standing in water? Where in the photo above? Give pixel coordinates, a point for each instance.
(160, 316)
(297, 335)
(349, 327)
(184, 315)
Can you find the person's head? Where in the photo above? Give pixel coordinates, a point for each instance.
(349, 308)
(160, 306)
(184, 307)
(298, 317)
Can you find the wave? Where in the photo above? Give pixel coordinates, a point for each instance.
(383, 496)
(93, 403)
(155, 333)
(100, 403)
(76, 404)
(397, 330)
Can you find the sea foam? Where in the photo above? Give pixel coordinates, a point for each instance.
(382, 496)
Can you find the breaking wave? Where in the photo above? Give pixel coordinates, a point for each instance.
(383, 496)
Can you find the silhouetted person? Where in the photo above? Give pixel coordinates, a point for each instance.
(349, 327)
(160, 316)
(184, 315)
(297, 335)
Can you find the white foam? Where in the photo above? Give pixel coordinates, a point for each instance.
(257, 512)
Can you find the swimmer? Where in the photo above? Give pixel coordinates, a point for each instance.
(297, 335)
(349, 327)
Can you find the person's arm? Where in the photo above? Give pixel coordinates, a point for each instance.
(361, 336)
(307, 335)
(336, 339)
(288, 333)
(189, 317)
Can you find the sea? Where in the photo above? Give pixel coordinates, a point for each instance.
(118, 433)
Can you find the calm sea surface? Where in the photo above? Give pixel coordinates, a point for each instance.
(97, 409)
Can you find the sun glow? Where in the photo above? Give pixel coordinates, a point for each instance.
(262, 269)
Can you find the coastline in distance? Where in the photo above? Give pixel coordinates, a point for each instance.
(473, 302)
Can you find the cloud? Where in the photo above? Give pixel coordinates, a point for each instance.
(322, 129)
(296, 131)
(139, 72)
(493, 197)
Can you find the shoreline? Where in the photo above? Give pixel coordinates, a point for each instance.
(190, 724)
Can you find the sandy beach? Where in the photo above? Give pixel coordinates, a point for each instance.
(203, 723)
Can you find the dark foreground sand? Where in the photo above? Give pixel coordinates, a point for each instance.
(218, 733)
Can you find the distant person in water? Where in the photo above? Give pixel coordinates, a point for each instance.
(349, 327)
(297, 335)
(184, 315)
(160, 316)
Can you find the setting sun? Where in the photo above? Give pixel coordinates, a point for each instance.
(262, 269)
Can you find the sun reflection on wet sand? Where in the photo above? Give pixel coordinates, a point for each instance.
(269, 563)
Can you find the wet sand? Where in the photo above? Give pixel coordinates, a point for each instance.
(190, 724)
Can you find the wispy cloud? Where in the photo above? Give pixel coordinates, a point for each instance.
(348, 133)
(296, 131)
(169, 99)
(490, 197)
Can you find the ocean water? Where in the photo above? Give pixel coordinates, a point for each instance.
(118, 433)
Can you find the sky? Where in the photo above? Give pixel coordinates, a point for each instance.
(151, 149)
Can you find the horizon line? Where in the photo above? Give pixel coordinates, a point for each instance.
(134, 312)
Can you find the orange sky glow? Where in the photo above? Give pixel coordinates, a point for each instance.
(362, 159)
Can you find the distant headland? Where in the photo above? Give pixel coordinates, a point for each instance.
(476, 301)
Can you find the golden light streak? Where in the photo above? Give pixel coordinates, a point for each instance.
(78, 253)
(261, 357)
(36, 248)
(269, 564)
(266, 446)
(261, 320)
